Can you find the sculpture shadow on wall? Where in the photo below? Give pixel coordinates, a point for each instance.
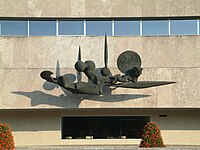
(73, 100)
(70, 100)
(39, 97)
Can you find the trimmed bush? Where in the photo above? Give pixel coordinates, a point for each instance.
(6, 138)
(151, 136)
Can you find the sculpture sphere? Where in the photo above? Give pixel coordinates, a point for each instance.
(80, 66)
(90, 65)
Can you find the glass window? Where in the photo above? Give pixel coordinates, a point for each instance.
(155, 27)
(13, 27)
(37, 28)
(181, 27)
(127, 28)
(98, 127)
(96, 28)
(71, 27)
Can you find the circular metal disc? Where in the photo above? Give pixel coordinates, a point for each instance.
(127, 60)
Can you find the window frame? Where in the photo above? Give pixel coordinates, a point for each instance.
(70, 20)
(126, 21)
(39, 20)
(17, 20)
(95, 20)
(156, 20)
(185, 34)
(111, 25)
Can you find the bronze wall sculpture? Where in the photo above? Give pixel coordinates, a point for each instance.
(128, 62)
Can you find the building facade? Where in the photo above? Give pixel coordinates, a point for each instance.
(39, 112)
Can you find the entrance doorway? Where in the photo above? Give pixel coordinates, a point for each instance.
(103, 127)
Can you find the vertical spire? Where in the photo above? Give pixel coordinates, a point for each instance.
(106, 52)
(79, 53)
(79, 75)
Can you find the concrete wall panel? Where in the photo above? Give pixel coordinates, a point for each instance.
(35, 8)
(177, 7)
(77, 8)
(6, 52)
(20, 52)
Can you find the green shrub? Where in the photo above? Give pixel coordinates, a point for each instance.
(6, 138)
(151, 136)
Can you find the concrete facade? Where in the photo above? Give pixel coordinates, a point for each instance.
(165, 58)
(42, 127)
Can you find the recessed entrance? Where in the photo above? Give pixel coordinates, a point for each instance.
(103, 127)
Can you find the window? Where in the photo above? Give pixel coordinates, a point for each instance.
(99, 127)
(96, 28)
(71, 27)
(13, 27)
(38, 28)
(181, 27)
(155, 27)
(127, 28)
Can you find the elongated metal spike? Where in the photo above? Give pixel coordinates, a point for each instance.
(79, 74)
(79, 53)
(106, 52)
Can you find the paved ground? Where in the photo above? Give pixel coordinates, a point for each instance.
(104, 148)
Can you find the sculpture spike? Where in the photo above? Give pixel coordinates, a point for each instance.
(106, 52)
(79, 53)
(79, 74)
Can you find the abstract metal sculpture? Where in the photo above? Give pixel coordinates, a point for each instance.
(128, 62)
